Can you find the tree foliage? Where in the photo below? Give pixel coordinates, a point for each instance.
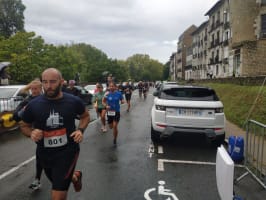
(11, 17)
(142, 67)
(30, 55)
(166, 70)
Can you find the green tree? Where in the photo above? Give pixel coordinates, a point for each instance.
(11, 17)
(142, 67)
(166, 71)
(25, 52)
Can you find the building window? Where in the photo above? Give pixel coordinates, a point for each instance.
(263, 26)
(225, 16)
(236, 65)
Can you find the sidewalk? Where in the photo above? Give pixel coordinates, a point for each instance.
(232, 129)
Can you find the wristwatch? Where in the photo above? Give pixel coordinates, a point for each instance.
(81, 130)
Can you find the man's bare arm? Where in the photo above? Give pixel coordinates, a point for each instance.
(27, 130)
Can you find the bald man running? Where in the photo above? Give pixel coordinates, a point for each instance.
(53, 117)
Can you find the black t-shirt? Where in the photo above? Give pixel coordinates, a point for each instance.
(128, 89)
(73, 91)
(56, 118)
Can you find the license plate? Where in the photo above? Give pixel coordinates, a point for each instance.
(188, 112)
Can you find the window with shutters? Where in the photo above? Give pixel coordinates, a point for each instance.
(263, 26)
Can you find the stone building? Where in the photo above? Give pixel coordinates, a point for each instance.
(218, 40)
(184, 43)
(248, 25)
(199, 69)
(231, 43)
(172, 67)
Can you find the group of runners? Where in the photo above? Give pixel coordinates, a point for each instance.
(49, 116)
(108, 103)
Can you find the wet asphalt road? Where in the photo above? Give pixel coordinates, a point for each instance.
(131, 171)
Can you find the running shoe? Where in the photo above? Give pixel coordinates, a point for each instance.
(104, 130)
(77, 184)
(35, 185)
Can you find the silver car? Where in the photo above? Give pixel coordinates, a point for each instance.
(187, 109)
(11, 96)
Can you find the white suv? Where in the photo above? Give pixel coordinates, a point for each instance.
(187, 109)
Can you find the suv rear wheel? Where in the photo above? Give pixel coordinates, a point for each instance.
(218, 140)
(155, 135)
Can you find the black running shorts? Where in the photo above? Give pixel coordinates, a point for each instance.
(116, 118)
(128, 97)
(59, 167)
(99, 110)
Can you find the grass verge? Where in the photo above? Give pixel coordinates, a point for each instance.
(242, 103)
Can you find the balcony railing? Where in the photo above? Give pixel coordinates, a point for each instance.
(225, 42)
(226, 25)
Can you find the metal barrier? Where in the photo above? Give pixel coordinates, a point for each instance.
(255, 152)
(10, 104)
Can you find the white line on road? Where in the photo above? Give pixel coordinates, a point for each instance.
(160, 149)
(151, 150)
(16, 168)
(162, 161)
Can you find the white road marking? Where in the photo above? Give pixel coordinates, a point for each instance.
(151, 150)
(162, 191)
(16, 168)
(162, 161)
(160, 149)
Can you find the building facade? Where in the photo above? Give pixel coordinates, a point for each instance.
(231, 43)
(172, 67)
(183, 46)
(199, 69)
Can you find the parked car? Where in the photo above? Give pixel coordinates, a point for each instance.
(187, 109)
(91, 88)
(10, 98)
(84, 95)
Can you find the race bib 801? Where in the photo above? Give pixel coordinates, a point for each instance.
(55, 138)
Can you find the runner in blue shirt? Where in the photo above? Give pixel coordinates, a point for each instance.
(112, 101)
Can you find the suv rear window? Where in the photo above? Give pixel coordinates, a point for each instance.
(191, 94)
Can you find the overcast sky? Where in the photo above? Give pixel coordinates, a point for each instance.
(119, 28)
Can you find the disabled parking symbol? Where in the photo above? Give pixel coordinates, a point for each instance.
(161, 192)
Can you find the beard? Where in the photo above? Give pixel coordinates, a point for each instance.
(49, 93)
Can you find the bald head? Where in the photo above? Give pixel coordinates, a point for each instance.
(52, 82)
(52, 71)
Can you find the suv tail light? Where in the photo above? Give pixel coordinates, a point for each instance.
(159, 107)
(219, 110)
